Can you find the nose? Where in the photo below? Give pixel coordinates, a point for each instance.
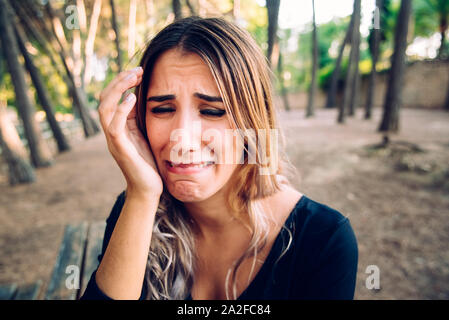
(185, 137)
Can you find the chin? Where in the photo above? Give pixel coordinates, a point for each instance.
(187, 191)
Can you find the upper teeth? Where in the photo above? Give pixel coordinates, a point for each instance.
(199, 165)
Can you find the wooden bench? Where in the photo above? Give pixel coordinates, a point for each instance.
(75, 263)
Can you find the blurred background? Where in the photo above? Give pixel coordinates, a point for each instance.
(362, 89)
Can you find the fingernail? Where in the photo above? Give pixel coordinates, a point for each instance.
(137, 69)
(130, 97)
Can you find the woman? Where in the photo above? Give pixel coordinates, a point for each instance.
(192, 224)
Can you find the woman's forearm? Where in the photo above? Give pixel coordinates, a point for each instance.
(122, 269)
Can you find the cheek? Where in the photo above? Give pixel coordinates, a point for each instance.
(156, 133)
(219, 140)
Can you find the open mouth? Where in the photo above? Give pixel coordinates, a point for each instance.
(190, 165)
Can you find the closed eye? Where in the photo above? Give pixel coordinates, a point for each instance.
(162, 110)
(213, 112)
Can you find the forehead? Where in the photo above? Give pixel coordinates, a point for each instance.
(175, 70)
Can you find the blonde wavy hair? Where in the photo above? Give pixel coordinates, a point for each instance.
(244, 80)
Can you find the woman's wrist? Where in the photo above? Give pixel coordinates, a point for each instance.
(141, 195)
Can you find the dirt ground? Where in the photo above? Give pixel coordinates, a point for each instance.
(397, 199)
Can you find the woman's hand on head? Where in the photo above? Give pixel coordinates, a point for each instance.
(125, 141)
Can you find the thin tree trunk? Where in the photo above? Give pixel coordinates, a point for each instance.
(374, 57)
(446, 102)
(13, 151)
(77, 58)
(332, 93)
(60, 37)
(78, 37)
(91, 41)
(313, 85)
(392, 103)
(176, 5)
(42, 95)
(39, 152)
(89, 125)
(443, 28)
(351, 72)
(273, 16)
(132, 28)
(354, 97)
(19, 170)
(281, 82)
(191, 8)
(81, 15)
(33, 30)
(116, 29)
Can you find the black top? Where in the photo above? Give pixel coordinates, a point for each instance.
(321, 262)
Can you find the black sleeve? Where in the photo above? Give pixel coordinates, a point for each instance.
(334, 274)
(93, 292)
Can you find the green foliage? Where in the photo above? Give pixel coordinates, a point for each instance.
(428, 14)
(330, 36)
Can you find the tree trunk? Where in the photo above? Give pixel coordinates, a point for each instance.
(332, 93)
(352, 65)
(392, 103)
(191, 8)
(116, 29)
(446, 102)
(19, 170)
(39, 152)
(77, 58)
(374, 56)
(31, 29)
(42, 95)
(273, 14)
(89, 51)
(176, 5)
(443, 28)
(313, 85)
(281, 82)
(81, 15)
(354, 97)
(79, 98)
(89, 125)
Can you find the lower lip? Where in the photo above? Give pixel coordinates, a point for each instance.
(187, 170)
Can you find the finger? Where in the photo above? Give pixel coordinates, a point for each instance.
(122, 75)
(121, 80)
(132, 113)
(116, 91)
(139, 80)
(118, 123)
(136, 71)
(109, 104)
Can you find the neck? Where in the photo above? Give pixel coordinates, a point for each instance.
(212, 217)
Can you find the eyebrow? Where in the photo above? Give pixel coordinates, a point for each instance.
(162, 98)
(207, 97)
(202, 96)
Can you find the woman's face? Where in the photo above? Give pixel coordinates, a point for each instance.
(185, 108)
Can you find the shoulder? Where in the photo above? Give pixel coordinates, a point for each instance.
(317, 217)
(319, 229)
(325, 252)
